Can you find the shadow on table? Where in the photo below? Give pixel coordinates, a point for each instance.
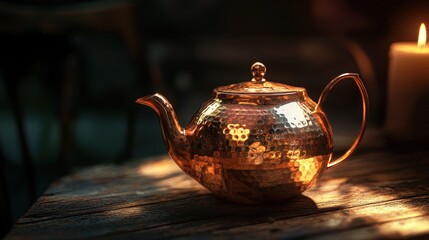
(155, 199)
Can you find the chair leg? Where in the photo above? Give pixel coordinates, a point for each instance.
(66, 155)
(5, 214)
(29, 169)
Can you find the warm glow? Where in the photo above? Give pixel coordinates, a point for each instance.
(168, 177)
(237, 132)
(372, 206)
(159, 168)
(125, 212)
(308, 168)
(421, 43)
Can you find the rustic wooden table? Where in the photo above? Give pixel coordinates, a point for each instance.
(376, 194)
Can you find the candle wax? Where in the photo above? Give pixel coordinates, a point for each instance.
(408, 89)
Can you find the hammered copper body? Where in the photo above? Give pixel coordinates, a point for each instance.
(256, 141)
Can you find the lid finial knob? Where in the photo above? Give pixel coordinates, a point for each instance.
(258, 71)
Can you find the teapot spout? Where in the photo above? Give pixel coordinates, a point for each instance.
(173, 134)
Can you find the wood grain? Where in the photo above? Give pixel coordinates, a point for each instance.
(376, 194)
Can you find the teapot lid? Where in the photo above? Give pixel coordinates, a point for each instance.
(258, 85)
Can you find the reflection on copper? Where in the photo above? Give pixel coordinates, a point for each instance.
(208, 111)
(254, 141)
(236, 132)
(296, 154)
(295, 115)
(309, 168)
(256, 153)
(365, 104)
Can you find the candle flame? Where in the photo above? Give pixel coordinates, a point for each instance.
(421, 43)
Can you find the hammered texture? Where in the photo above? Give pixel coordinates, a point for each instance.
(249, 152)
(254, 141)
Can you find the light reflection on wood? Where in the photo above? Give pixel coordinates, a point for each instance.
(160, 168)
(329, 193)
(167, 176)
(390, 210)
(125, 212)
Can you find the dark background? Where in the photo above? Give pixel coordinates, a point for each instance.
(71, 71)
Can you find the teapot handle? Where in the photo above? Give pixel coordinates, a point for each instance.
(365, 104)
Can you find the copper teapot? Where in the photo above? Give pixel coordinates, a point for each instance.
(256, 141)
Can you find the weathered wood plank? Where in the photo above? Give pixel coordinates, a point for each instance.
(128, 193)
(155, 199)
(339, 195)
(413, 227)
(315, 225)
(109, 180)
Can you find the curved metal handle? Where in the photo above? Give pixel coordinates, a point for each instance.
(365, 104)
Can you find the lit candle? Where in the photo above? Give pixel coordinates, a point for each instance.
(408, 85)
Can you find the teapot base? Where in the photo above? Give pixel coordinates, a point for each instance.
(262, 185)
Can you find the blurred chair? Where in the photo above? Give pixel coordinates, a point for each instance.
(5, 216)
(34, 29)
